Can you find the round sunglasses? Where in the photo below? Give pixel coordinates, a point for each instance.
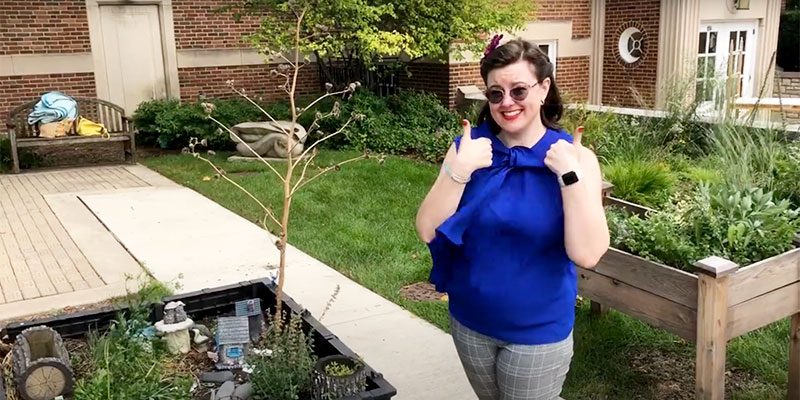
(518, 93)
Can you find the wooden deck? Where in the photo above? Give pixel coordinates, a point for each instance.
(39, 256)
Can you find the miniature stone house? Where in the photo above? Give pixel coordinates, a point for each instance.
(233, 340)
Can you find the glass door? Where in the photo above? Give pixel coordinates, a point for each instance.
(725, 64)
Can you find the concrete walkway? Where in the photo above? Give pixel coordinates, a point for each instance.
(135, 219)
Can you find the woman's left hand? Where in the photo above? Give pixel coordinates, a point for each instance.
(563, 156)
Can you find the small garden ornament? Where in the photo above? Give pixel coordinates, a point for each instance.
(175, 328)
(233, 340)
(41, 364)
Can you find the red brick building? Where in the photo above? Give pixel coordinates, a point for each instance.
(611, 52)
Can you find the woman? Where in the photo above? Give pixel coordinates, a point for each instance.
(516, 203)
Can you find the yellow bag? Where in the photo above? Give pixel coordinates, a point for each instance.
(87, 127)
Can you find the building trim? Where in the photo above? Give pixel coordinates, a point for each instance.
(598, 46)
(200, 58)
(41, 64)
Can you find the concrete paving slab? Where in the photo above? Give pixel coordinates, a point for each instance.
(175, 231)
(416, 357)
(106, 255)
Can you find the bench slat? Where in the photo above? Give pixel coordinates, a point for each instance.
(35, 142)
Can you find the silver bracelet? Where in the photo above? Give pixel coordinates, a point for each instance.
(455, 177)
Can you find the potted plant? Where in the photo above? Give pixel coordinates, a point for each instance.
(338, 376)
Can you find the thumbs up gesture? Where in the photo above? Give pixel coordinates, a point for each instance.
(473, 154)
(563, 156)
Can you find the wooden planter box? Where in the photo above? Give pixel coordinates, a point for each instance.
(721, 302)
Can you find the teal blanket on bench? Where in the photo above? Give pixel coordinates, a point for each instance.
(53, 107)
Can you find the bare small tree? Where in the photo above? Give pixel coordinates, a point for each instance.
(289, 69)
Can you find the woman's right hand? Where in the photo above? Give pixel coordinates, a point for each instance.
(473, 154)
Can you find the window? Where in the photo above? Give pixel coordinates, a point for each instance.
(549, 48)
(725, 62)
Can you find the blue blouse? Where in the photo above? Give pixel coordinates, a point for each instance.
(501, 257)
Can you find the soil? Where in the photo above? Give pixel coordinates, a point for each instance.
(422, 291)
(673, 377)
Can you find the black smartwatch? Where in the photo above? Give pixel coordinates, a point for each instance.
(568, 179)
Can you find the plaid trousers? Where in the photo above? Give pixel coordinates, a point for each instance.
(503, 371)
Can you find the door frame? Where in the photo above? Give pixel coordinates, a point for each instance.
(724, 27)
(168, 47)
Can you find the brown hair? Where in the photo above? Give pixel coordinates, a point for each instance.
(511, 52)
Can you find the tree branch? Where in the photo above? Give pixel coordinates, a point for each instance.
(326, 170)
(305, 167)
(259, 108)
(326, 95)
(342, 128)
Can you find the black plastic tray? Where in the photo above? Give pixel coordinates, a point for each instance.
(209, 303)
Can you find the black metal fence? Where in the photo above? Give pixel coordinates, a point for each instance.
(382, 79)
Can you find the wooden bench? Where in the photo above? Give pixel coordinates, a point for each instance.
(112, 116)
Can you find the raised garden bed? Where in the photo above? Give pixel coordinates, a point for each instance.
(720, 302)
(206, 305)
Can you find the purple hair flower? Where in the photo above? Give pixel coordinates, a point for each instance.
(492, 44)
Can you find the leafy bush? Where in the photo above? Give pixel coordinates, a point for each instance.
(170, 124)
(788, 174)
(129, 366)
(747, 157)
(640, 181)
(286, 373)
(409, 123)
(744, 226)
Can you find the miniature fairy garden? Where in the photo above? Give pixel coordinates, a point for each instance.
(232, 351)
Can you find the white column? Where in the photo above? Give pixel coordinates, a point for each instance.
(596, 59)
(767, 45)
(679, 26)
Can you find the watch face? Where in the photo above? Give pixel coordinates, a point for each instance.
(569, 178)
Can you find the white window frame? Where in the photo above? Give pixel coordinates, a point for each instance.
(552, 51)
(723, 30)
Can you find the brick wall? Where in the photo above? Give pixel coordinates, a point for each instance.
(429, 77)
(53, 26)
(572, 77)
(254, 79)
(630, 86)
(579, 11)
(463, 75)
(15, 90)
(789, 87)
(198, 26)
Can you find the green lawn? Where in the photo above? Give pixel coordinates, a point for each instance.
(360, 220)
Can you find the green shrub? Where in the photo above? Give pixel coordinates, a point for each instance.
(640, 181)
(788, 174)
(746, 157)
(286, 373)
(409, 123)
(744, 226)
(170, 124)
(126, 365)
(658, 238)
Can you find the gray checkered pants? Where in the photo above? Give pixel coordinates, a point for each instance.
(503, 371)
